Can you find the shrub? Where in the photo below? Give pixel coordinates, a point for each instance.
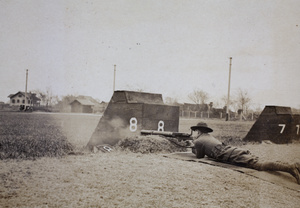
(149, 144)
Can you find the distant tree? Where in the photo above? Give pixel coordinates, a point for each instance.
(40, 95)
(54, 100)
(171, 101)
(243, 100)
(47, 98)
(224, 101)
(256, 108)
(198, 97)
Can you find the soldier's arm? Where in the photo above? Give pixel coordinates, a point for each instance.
(199, 149)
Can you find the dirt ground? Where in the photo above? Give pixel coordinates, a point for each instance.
(124, 179)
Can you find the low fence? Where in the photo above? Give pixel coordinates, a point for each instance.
(220, 115)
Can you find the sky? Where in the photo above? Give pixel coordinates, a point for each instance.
(170, 47)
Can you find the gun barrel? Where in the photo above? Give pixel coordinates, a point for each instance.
(152, 132)
(165, 133)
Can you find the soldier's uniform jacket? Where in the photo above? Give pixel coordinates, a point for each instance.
(205, 144)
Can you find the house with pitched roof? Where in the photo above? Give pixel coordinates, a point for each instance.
(18, 99)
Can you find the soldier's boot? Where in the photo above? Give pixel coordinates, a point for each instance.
(293, 169)
(297, 166)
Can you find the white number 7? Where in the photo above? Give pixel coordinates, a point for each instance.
(298, 126)
(283, 126)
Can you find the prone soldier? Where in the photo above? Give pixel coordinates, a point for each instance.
(206, 144)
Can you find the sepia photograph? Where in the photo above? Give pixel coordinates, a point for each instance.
(147, 103)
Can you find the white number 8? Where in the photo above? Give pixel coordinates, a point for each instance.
(133, 124)
(161, 125)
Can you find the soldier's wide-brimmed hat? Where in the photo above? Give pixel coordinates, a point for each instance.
(202, 127)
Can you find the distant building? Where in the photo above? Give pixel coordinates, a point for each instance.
(2, 104)
(19, 99)
(86, 104)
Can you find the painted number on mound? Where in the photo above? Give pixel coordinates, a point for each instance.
(133, 125)
(161, 126)
(283, 127)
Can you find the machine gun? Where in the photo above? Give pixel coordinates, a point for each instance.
(168, 135)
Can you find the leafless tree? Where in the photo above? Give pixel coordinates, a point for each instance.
(51, 99)
(47, 97)
(224, 101)
(198, 97)
(171, 101)
(40, 95)
(243, 100)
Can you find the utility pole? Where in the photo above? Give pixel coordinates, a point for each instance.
(228, 97)
(26, 87)
(114, 78)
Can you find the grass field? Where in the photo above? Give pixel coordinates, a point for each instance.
(47, 134)
(125, 179)
(27, 135)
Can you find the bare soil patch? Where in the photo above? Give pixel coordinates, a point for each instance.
(125, 179)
